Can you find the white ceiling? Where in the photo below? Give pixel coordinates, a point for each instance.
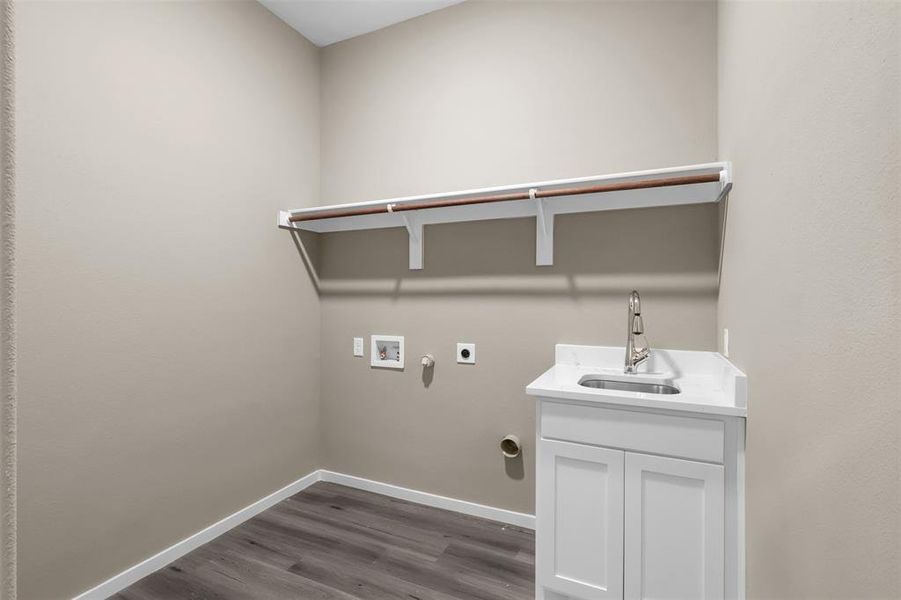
(325, 22)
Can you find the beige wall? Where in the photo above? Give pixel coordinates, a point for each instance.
(809, 113)
(486, 94)
(168, 333)
(8, 398)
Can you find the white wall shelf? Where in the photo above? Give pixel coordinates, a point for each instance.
(693, 184)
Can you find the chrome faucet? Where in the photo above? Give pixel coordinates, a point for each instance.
(635, 355)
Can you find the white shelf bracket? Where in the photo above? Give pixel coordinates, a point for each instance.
(284, 220)
(725, 181)
(414, 230)
(544, 232)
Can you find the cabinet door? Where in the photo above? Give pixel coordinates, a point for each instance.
(674, 528)
(579, 507)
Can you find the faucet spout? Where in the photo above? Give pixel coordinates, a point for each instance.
(635, 355)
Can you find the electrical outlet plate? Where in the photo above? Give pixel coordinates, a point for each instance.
(466, 353)
(358, 346)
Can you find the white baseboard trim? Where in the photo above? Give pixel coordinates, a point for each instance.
(119, 582)
(461, 506)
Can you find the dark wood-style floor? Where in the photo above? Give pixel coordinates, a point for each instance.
(334, 542)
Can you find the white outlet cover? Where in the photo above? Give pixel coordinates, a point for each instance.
(358, 346)
(468, 360)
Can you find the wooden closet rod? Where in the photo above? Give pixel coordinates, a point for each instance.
(506, 197)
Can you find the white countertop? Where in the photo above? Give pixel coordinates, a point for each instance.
(707, 381)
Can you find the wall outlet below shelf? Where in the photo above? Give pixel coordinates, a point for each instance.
(466, 353)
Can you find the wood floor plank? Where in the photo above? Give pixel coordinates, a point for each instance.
(331, 542)
(436, 577)
(365, 528)
(363, 581)
(428, 519)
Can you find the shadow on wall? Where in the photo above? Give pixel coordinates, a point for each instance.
(514, 468)
(665, 251)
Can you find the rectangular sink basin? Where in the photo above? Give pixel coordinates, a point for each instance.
(600, 383)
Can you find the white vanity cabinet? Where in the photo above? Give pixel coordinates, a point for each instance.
(637, 503)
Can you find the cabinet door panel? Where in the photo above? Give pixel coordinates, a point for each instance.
(674, 528)
(580, 520)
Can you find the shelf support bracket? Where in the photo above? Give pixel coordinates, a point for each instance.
(725, 182)
(414, 231)
(544, 232)
(284, 223)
